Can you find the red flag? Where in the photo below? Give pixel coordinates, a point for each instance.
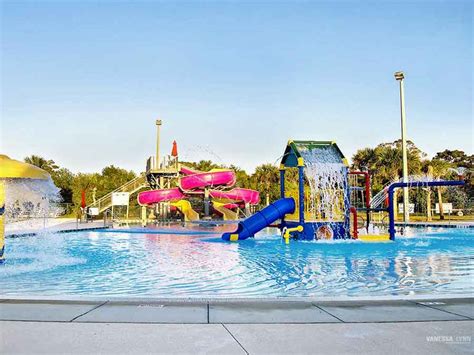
(83, 198)
(174, 150)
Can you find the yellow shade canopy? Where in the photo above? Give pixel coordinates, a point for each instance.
(14, 169)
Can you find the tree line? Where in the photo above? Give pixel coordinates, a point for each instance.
(383, 163)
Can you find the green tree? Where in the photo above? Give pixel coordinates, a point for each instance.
(384, 162)
(242, 178)
(440, 169)
(83, 181)
(365, 159)
(63, 179)
(111, 178)
(45, 164)
(266, 180)
(457, 158)
(202, 165)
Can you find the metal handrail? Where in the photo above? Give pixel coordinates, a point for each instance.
(130, 186)
(380, 196)
(396, 185)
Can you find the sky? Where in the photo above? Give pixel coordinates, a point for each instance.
(83, 82)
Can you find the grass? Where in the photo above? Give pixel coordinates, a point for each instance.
(447, 217)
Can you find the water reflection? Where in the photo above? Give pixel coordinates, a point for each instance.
(121, 264)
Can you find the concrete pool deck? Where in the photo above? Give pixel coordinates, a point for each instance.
(236, 326)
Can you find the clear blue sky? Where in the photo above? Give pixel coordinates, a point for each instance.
(83, 82)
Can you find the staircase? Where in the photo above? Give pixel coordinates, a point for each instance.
(131, 186)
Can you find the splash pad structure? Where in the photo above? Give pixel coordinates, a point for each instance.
(314, 193)
(21, 184)
(322, 192)
(315, 198)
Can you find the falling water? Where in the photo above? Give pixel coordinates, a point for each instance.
(201, 152)
(326, 176)
(31, 202)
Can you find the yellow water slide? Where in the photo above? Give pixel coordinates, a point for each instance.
(184, 206)
(228, 214)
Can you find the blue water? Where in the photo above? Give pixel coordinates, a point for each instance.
(127, 263)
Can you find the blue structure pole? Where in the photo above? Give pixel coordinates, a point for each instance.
(282, 190)
(282, 182)
(301, 192)
(391, 189)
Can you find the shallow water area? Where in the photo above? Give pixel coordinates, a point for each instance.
(194, 262)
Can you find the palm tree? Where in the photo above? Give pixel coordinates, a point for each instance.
(440, 169)
(364, 159)
(48, 165)
(266, 180)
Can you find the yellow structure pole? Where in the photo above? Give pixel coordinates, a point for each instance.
(143, 216)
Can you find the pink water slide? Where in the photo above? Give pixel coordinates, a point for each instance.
(208, 179)
(147, 198)
(194, 182)
(237, 194)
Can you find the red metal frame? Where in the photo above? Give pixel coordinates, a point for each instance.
(354, 215)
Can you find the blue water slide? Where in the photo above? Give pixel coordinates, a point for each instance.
(261, 219)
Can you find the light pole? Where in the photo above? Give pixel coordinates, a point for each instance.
(157, 159)
(399, 76)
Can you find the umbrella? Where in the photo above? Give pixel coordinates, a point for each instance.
(83, 199)
(174, 150)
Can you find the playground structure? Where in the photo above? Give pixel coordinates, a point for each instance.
(319, 204)
(170, 186)
(14, 170)
(317, 200)
(314, 193)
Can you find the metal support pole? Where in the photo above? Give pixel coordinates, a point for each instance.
(207, 202)
(143, 215)
(429, 217)
(282, 182)
(128, 209)
(399, 76)
(301, 192)
(282, 188)
(247, 210)
(157, 159)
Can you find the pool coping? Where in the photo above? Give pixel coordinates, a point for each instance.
(235, 310)
(207, 299)
(59, 231)
(110, 228)
(456, 224)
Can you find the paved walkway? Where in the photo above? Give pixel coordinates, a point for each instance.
(424, 327)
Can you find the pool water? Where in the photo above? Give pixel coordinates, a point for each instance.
(198, 264)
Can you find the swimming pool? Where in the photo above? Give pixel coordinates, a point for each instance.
(199, 264)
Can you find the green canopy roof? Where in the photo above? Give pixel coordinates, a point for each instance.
(293, 158)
